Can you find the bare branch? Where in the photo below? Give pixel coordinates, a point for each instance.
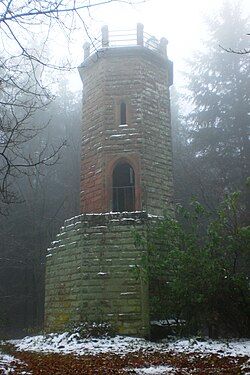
(56, 9)
(24, 72)
(245, 51)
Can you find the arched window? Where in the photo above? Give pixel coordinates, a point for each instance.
(123, 113)
(123, 185)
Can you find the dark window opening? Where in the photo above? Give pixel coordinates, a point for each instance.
(123, 110)
(123, 188)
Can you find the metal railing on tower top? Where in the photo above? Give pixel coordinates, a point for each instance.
(125, 38)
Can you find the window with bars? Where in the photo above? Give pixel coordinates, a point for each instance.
(123, 187)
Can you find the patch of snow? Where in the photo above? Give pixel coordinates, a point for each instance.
(72, 343)
(55, 242)
(169, 322)
(69, 226)
(221, 347)
(67, 343)
(117, 136)
(127, 293)
(6, 364)
(153, 370)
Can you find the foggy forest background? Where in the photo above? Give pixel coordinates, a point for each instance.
(211, 153)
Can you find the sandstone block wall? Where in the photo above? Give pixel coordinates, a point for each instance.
(140, 78)
(156, 169)
(93, 274)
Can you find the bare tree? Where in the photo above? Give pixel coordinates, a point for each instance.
(31, 225)
(25, 66)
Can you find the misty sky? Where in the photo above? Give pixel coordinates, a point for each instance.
(180, 21)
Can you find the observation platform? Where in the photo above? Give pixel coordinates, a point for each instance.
(125, 38)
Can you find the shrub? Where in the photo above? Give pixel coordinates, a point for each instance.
(92, 329)
(198, 270)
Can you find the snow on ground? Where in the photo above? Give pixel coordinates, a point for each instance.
(5, 363)
(72, 343)
(222, 347)
(153, 370)
(66, 343)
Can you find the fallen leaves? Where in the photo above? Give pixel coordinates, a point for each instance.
(117, 364)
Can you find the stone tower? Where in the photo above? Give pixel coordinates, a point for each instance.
(126, 152)
(93, 267)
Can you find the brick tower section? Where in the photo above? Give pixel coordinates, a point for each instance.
(140, 78)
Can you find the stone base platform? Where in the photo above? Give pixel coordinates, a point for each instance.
(93, 274)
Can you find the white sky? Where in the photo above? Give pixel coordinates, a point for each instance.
(180, 21)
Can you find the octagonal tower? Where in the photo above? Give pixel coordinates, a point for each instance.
(126, 149)
(93, 269)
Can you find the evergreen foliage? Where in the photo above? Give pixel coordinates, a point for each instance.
(199, 271)
(218, 147)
